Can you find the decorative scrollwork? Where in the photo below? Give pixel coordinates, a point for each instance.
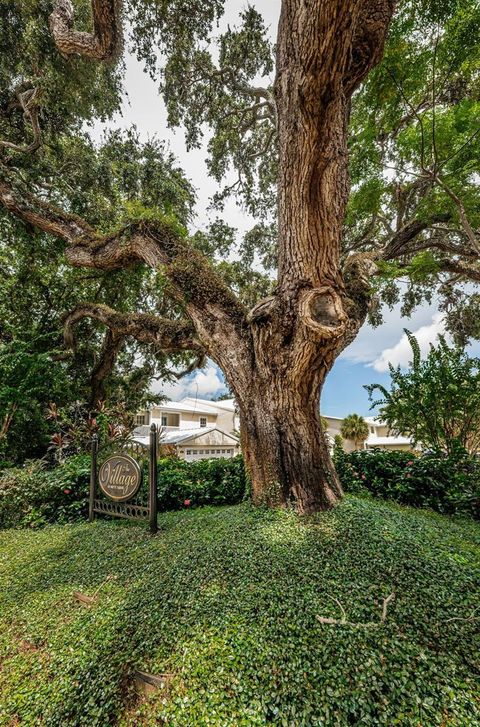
(129, 510)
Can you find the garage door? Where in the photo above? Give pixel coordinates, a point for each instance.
(193, 454)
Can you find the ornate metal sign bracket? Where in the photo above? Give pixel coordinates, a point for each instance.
(119, 478)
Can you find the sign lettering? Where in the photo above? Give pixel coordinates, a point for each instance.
(120, 477)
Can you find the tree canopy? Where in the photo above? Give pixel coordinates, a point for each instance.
(415, 152)
(414, 142)
(40, 295)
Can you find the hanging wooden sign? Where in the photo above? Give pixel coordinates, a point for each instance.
(119, 478)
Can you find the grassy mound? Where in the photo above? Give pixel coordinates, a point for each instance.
(227, 601)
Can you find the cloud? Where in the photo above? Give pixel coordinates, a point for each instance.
(204, 383)
(401, 353)
(371, 342)
(207, 382)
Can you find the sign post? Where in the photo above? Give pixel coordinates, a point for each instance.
(119, 478)
(93, 478)
(153, 471)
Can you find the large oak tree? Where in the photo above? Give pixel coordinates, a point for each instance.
(289, 144)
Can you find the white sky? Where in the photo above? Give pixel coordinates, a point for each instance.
(144, 108)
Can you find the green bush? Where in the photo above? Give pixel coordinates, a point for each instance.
(449, 484)
(34, 495)
(205, 482)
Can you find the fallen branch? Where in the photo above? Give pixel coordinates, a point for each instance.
(90, 600)
(472, 617)
(343, 621)
(386, 601)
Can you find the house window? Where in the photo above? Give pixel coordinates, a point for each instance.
(189, 451)
(372, 429)
(140, 419)
(164, 420)
(203, 421)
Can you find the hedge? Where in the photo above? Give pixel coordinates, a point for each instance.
(206, 482)
(34, 495)
(448, 484)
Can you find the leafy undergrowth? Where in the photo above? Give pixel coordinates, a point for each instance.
(227, 601)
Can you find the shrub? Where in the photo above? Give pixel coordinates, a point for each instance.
(446, 483)
(34, 494)
(206, 482)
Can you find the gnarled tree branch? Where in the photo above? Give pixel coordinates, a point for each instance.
(28, 101)
(168, 336)
(467, 271)
(112, 345)
(43, 215)
(214, 309)
(368, 40)
(397, 244)
(105, 41)
(164, 335)
(151, 242)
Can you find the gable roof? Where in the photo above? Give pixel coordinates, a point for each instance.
(225, 404)
(179, 436)
(183, 406)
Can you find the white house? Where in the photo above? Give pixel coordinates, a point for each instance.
(202, 429)
(195, 428)
(228, 417)
(379, 435)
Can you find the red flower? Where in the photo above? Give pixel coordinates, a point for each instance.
(187, 503)
(363, 477)
(67, 491)
(410, 461)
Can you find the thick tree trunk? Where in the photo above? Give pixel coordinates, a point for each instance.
(277, 390)
(285, 449)
(297, 334)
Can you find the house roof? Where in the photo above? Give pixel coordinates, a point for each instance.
(374, 420)
(226, 404)
(179, 436)
(374, 440)
(185, 407)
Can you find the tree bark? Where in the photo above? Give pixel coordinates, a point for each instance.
(285, 449)
(103, 368)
